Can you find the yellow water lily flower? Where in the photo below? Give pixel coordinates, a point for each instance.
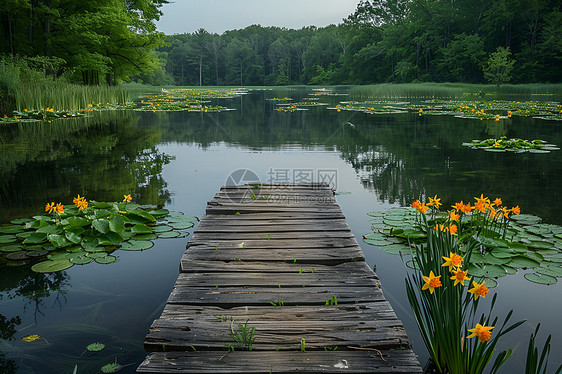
(482, 332)
(127, 198)
(431, 282)
(59, 208)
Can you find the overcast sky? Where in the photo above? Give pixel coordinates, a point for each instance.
(217, 16)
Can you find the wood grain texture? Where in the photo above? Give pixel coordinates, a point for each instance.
(282, 260)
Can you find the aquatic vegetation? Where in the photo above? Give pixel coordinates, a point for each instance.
(444, 305)
(503, 144)
(370, 107)
(289, 109)
(184, 99)
(87, 231)
(508, 240)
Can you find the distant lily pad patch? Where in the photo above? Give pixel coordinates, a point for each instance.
(529, 244)
(90, 231)
(503, 144)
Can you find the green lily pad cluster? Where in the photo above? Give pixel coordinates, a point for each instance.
(79, 237)
(504, 144)
(370, 107)
(529, 244)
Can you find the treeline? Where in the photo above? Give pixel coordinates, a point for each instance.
(91, 42)
(383, 41)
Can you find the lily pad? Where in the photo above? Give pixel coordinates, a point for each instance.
(37, 253)
(10, 248)
(540, 244)
(50, 266)
(19, 221)
(554, 271)
(59, 256)
(111, 368)
(540, 278)
(522, 262)
(161, 228)
(5, 239)
(136, 245)
(17, 256)
(169, 234)
(140, 228)
(159, 213)
(182, 225)
(82, 260)
(106, 260)
(97, 255)
(11, 229)
(144, 237)
(95, 347)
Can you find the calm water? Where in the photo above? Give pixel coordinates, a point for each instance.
(180, 160)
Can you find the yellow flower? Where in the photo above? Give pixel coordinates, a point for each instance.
(516, 210)
(459, 276)
(59, 208)
(453, 229)
(454, 260)
(454, 216)
(482, 332)
(434, 202)
(50, 207)
(497, 201)
(479, 290)
(77, 199)
(127, 198)
(30, 338)
(431, 282)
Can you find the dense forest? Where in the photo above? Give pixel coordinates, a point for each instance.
(110, 41)
(92, 42)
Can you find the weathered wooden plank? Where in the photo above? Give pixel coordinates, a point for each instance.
(295, 279)
(240, 225)
(275, 335)
(254, 362)
(239, 296)
(190, 265)
(326, 243)
(248, 209)
(349, 312)
(297, 216)
(292, 254)
(265, 234)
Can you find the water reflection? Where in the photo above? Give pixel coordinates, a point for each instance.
(102, 157)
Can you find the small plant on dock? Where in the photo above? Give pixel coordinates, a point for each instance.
(277, 303)
(244, 336)
(332, 301)
(444, 296)
(303, 345)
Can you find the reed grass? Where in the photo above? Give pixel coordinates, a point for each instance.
(534, 91)
(22, 87)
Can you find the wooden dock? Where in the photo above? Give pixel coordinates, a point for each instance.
(279, 258)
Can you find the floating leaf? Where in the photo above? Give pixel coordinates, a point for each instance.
(11, 229)
(57, 256)
(37, 253)
(522, 262)
(36, 238)
(140, 216)
(140, 228)
(554, 271)
(181, 225)
(30, 338)
(111, 368)
(58, 241)
(136, 245)
(5, 239)
(490, 282)
(81, 260)
(19, 221)
(10, 248)
(540, 278)
(106, 260)
(96, 255)
(111, 238)
(540, 244)
(17, 256)
(145, 237)
(169, 234)
(162, 228)
(51, 266)
(78, 221)
(159, 213)
(95, 347)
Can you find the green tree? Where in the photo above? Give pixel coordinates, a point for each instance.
(499, 66)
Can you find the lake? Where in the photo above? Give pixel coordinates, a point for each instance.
(179, 160)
